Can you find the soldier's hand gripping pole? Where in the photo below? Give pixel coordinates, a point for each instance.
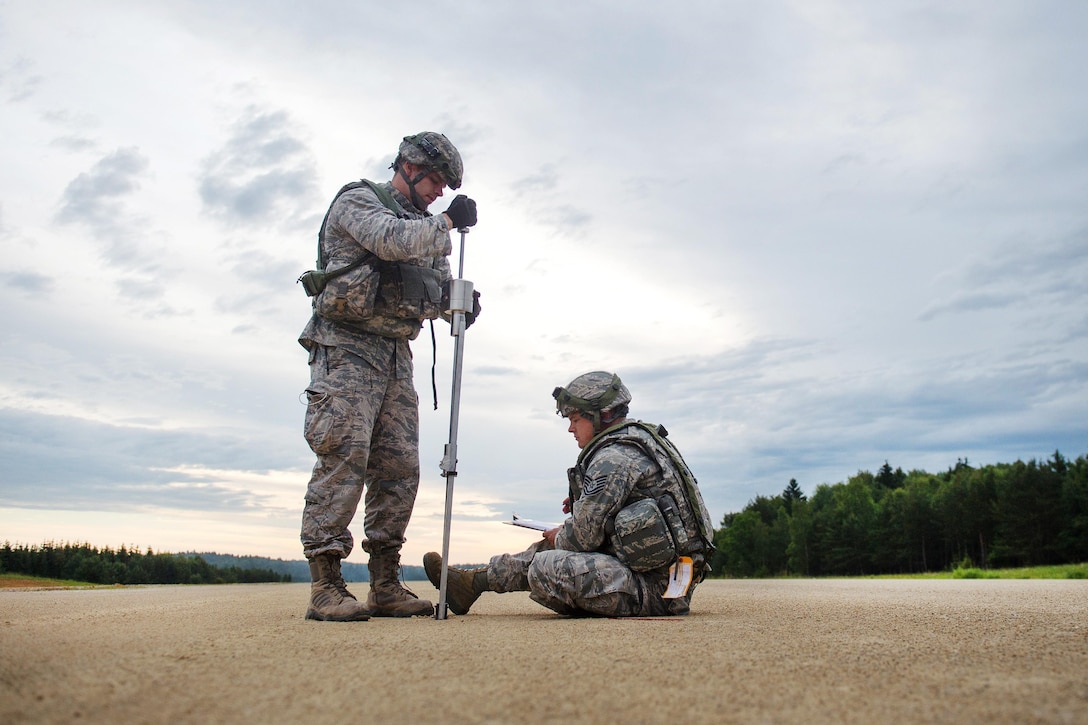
(460, 303)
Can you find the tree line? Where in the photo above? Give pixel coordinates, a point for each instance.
(86, 563)
(1000, 515)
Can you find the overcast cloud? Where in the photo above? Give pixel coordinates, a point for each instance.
(810, 236)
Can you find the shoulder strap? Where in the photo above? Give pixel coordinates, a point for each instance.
(691, 485)
(687, 478)
(383, 196)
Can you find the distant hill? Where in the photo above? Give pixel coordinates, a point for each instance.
(298, 569)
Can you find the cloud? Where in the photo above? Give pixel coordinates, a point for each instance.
(263, 175)
(94, 198)
(545, 194)
(75, 127)
(971, 302)
(74, 143)
(103, 200)
(1041, 261)
(545, 179)
(100, 466)
(1046, 272)
(18, 81)
(264, 271)
(567, 220)
(750, 418)
(31, 282)
(856, 235)
(98, 200)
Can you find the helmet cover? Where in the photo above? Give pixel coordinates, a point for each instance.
(433, 151)
(590, 394)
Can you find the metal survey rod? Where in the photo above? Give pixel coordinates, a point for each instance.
(460, 303)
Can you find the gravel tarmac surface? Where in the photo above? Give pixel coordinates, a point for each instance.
(769, 651)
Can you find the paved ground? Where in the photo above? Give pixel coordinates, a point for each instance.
(797, 651)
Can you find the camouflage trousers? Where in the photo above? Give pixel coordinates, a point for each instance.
(580, 583)
(363, 425)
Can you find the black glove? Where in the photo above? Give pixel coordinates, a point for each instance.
(462, 211)
(470, 317)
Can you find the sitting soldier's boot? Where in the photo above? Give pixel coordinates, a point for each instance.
(463, 586)
(388, 597)
(330, 600)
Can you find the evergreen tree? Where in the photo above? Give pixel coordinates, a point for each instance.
(964, 505)
(792, 494)
(85, 563)
(797, 552)
(890, 479)
(1029, 515)
(848, 540)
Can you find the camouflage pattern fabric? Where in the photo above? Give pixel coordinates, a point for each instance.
(362, 414)
(362, 423)
(614, 476)
(446, 161)
(568, 582)
(351, 303)
(510, 572)
(576, 583)
(641, 538)
(582, 574)
(579, 583)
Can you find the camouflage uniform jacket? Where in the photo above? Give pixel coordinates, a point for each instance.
(612, 473)
(358, 222)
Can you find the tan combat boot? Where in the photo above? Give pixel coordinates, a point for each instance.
(388, 598)
(463, 586)
(330, 600)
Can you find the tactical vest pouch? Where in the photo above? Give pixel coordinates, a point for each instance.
(421, 288)
(675, 521)
(347, 295)
(410, 291)
(313, 282)
(641, 536)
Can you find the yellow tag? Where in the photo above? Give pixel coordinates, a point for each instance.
(679, 578)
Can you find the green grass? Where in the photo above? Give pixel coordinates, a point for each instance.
(1062, 571)
(25, 581)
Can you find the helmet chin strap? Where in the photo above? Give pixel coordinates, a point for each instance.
(417, 201)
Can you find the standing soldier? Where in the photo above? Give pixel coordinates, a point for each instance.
(638, 538)
(383, 260)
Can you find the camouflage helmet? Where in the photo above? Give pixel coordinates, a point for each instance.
(433, 151)
(591, 393)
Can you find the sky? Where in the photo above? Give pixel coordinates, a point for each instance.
(810, 236)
